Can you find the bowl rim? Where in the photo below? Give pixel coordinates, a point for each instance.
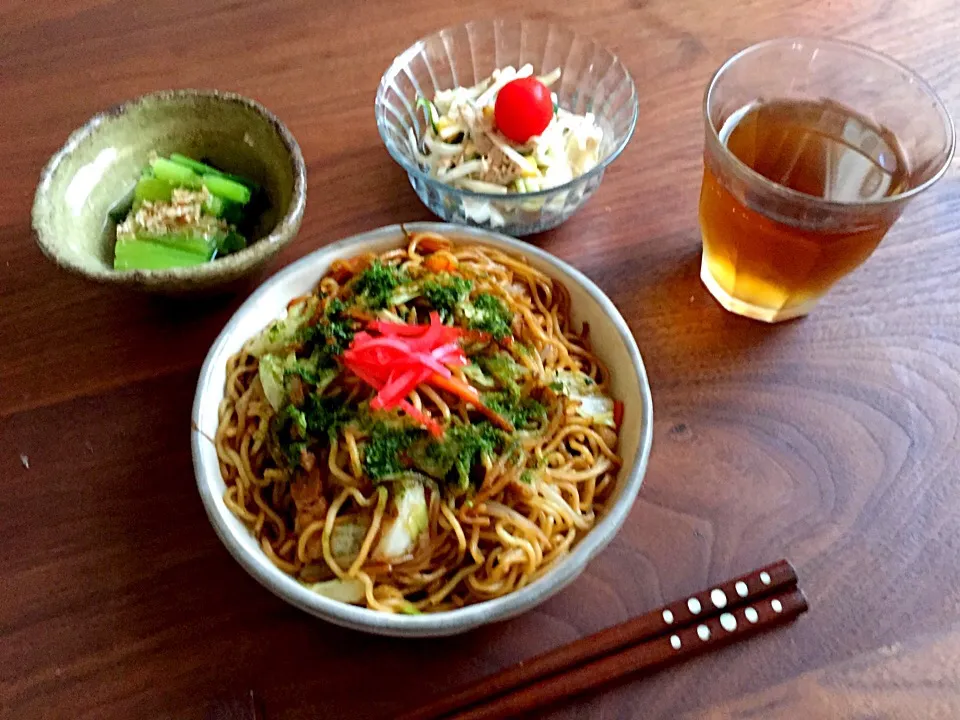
(794, 42)
(282, 233)
(414, 170)
(471, 616)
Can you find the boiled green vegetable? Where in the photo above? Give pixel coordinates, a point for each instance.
(140, 255)
(181, 212)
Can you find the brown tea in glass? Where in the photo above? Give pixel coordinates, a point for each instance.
(799, 190)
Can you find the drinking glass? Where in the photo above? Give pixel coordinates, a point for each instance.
(771, 251)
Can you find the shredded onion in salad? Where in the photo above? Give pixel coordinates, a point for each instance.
(462, 146)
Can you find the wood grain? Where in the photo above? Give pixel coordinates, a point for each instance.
(919, 679)
(833, 441)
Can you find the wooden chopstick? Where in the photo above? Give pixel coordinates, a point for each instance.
(663, 622)
(646, 657)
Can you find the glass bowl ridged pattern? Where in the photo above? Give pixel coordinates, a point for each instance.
(593, 80)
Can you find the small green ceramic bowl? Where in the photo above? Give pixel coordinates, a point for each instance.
(101, 162)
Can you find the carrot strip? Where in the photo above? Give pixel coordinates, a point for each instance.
(298, 299)
(361, 315)
(431, 242)
(343, 270)
(440, 263)
(617, 413)
(470, 394)
(497, 419)
(435, 428)
(452, 385)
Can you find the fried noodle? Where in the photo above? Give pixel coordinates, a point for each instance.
(525, 505)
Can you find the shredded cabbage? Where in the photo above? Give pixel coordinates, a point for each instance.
(346, 540)
(349, 590)
(274, 375)
(271, 377)
(283, 333)
(592, 404)
(461, 145)
(399, 534)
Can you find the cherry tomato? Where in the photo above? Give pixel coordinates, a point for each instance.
(523, 109)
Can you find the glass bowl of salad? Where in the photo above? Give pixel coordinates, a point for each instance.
(506, 125)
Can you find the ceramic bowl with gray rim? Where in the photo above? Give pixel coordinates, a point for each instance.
(610, 339)
(100, 164)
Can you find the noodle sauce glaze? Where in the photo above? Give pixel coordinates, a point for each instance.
(424, 431)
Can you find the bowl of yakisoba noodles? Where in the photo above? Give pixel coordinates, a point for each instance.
(421, 429)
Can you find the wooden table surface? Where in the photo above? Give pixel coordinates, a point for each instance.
(833, 441)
